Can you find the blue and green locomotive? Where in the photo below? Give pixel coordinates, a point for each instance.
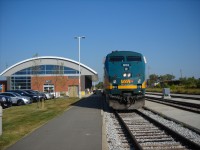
(124, 80)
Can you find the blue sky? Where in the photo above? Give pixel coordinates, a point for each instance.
(167, 32)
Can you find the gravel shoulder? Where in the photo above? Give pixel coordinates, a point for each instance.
(190, 118)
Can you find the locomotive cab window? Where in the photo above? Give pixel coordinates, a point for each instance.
(116, 59)
(134, 58)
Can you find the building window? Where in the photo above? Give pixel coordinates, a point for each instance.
(46, 70)
(22, 82)
(22, 78)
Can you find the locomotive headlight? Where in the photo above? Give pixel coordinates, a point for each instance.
(126, 68)
(124, 74)
(129, 74)
(114, 81)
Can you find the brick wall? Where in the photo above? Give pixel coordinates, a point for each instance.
(60, 83)
(4, 86)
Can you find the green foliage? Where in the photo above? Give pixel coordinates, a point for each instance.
(173, 87)
(166, 81)
(158, 86)
(153, 79)
(198, 83)
(99, 85)
(167, 77)
(190, 82)
(165, 85)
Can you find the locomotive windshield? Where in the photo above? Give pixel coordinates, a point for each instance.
(134, 58)
(116, 59)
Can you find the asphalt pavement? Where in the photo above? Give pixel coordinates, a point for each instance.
(79, 128)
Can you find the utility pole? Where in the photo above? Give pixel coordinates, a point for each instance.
(79, 56)
(181, 73)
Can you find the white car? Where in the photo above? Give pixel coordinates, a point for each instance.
(17, 99)
(49, 95)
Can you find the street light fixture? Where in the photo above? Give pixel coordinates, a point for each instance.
(79, 55)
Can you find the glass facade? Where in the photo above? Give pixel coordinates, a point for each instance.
(46, 70)
(22, 78)
(23, 82)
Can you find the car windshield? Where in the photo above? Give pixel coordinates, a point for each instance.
(16, 94)
(30, 92)
(24, 92)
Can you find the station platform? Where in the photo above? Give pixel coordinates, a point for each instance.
(194, 101)
(78, 128)
(189, 118)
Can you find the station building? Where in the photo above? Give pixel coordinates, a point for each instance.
(49, 74)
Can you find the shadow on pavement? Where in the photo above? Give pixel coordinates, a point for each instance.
(94, 101)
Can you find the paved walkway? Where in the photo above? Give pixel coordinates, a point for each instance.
(79, 128)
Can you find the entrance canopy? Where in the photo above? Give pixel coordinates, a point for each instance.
(50, 60)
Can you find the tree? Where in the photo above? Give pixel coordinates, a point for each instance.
(198, 83)
(59, 76)
(99, 85)
(190, 82)
(167, 77)
(37, 79)
(153, 78)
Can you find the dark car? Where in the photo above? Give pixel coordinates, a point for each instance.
(94, 92)
(41, 95)
(5, 101)
(34, 97)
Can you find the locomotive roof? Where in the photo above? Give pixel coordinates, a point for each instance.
(115, 53)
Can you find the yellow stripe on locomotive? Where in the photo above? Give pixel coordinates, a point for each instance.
(126, 86)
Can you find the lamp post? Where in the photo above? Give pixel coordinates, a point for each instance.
(79, 68)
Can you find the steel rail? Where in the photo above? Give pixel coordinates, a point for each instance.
(175, 96)
(128, 131)
(185, 142)
(174, 120)
(190, 144)
(177, 104)
(195, 105)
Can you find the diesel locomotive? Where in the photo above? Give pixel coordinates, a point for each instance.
(124, 80)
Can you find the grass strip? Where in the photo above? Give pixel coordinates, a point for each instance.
(18, 121)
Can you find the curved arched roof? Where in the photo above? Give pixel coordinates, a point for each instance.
(49, 60)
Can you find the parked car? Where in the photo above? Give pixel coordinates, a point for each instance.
(94, 91)
(5, 101)
(17, 99)
(49, 95)
(33, 97)
(39, 94)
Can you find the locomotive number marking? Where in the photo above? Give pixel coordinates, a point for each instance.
(127, 81)
(125, 65)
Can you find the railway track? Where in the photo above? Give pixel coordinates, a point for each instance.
(143, 132)
(185, 96)
(178, 104)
